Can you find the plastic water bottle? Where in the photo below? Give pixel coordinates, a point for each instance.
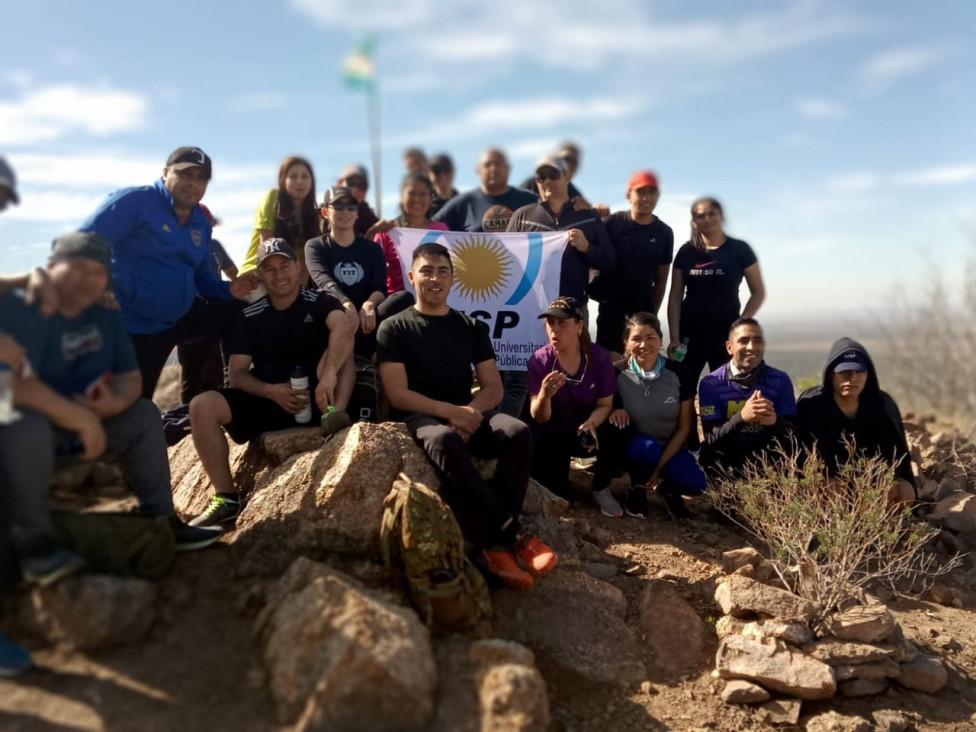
(681, 351)
(299, 381)
(7, 413)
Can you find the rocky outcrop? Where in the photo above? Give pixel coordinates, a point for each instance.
(775, 666)
(744, 597)
(339, 656)
(676, 636)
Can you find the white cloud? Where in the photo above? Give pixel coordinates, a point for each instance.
(53, 112)
(938, 176)
(573, 34)
(898, 62)
(815, 108)
(17, 77)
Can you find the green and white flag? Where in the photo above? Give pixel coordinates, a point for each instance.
(359, 69)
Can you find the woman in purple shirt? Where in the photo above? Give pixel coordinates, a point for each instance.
(571, 386)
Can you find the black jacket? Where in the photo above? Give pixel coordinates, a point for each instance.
(878, 427)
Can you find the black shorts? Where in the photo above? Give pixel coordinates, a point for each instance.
(252, 415)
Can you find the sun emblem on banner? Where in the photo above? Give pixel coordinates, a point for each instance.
(482, 267)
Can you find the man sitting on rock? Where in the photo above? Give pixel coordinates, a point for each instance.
(425, 355)
(745, 405)
(291, 328)
(83, 401)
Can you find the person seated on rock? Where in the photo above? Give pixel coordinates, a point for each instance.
(82, 401)
(850, 405)
(425, 356)
(571, 385)
(352, 269)
(656, 413)
(291, 328)
(746, 406)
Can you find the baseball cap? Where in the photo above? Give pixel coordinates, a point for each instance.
(642, 179)
(441, 163)
(851, 361)
(353, 170)
(552, 161)
(186, 157)
(82, 245)
(271, 247)
(334, 193)
(563, 308)
(9, 179)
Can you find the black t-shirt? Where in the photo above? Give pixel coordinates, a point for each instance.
(354, 272)
(437, 351)
(279, 340)
(712, 278)
(641, 249)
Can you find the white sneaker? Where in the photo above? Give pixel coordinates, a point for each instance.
(607, 503)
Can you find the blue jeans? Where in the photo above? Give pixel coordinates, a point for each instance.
(28, 459)
(682, 470)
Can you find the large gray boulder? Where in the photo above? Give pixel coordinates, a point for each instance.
(744, 597)
(677, 637)
(339, 656)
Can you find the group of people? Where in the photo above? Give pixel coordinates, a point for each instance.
(85, 338)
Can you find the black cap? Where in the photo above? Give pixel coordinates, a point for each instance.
(187, 157)
(852, 360)
(82, 245)
(271, 247)
(334, 193)
(564, 308)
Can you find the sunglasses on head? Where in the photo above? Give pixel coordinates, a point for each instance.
(344, 206)
(548, 174)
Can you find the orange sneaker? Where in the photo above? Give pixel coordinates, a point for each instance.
(534, 555)
(503, 564)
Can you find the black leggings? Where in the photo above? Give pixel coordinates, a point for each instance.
(706, 344)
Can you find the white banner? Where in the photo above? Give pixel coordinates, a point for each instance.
(504, 279)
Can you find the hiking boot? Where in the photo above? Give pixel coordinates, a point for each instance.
(636, 503)
(334, 421)
(14, 659)
(222, 508)
(534, 555)
(674, 502)
(503, 564)
(188, 538)
(607, 503)
(52, 565)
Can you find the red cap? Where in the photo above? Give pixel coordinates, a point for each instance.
(210, 217)
(642, 179)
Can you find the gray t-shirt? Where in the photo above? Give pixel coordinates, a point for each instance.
(655, 404)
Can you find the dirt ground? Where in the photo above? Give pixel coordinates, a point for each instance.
(200, 668)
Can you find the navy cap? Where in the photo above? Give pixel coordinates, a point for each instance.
(851, 361)
(271, 247)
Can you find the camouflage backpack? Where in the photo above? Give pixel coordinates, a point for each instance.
(420, 537)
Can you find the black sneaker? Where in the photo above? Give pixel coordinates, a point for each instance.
(674, 502)
(334, 421)
(636, 503)
(222, 508)
(189, 538)
(48, 567)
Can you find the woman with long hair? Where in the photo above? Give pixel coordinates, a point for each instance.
(656, 416)
(287, 212)
(705, 279)
(416, 195)
(571, 388)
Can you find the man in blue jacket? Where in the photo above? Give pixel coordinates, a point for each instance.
(160, 239)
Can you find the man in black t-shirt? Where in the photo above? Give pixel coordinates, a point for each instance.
(441, 172)
(425, 355)
(288, 329)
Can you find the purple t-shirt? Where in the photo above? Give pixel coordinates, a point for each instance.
(574, 402)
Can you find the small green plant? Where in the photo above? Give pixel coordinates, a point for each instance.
(829, 537)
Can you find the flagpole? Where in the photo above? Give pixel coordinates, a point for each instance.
(373, 127)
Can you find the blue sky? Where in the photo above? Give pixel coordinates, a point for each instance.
(838, 135)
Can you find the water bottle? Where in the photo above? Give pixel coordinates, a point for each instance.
(681, 351)
(299, 381)
(6, 394)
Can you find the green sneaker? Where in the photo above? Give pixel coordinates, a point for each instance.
(222, 508)
(335, 420)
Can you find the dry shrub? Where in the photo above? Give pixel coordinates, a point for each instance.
(831, 537)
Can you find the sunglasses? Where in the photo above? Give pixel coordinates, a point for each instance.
(355, 182)
(548, 174)
(710, 213)
(347, 206)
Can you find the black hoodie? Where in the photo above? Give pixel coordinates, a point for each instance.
(877, 428)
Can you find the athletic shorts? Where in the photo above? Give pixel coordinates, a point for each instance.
(252, 415)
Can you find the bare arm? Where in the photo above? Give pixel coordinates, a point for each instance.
(62, 412)
(490, 390)
(674, 307)
(339, 350)
(114, 396)
(757, 290)
(678, 439)
(660, 284)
